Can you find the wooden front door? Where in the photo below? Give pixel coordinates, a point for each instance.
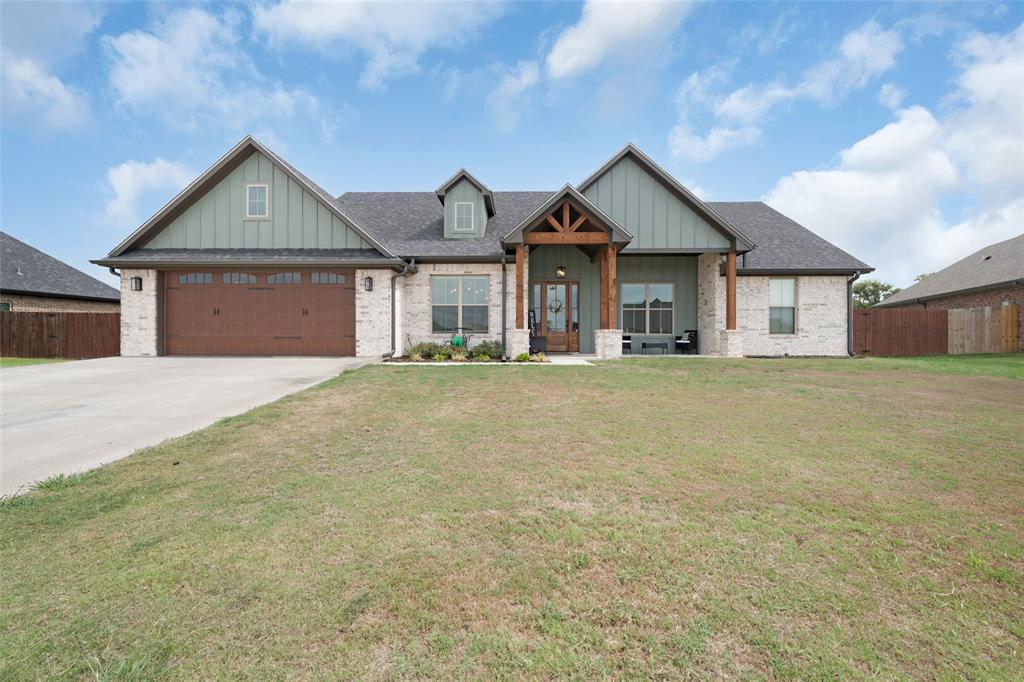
(557, 310)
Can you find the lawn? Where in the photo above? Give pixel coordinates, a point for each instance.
(656, 518)
(21, 362)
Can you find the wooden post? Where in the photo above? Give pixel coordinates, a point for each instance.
(603, 291)
(730, 290)
(613, 316)
(520, 286)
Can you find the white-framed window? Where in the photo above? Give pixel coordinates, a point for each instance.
(458, 302)
(463, 216)
(647, 308)
(257, 201)
(782, 305)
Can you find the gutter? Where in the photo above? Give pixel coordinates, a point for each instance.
(849, 313)
(409, 268)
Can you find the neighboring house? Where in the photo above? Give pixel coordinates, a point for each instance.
(32, 281)
(255, 258)
(993, 276)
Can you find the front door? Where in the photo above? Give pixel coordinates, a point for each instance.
(557, 311)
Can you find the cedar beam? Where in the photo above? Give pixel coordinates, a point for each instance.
(555, 224)
(565, 238)
(576, 223)
(730, 290)
(613, 317)
(565, 216)
(520, 286)
(603, 290)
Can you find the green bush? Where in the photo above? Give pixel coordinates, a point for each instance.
(439, 357)
(415, 357)
(429, 350)
(523, 357)
(458, 356)
(538, 357)
(482, 357)
(492, 349)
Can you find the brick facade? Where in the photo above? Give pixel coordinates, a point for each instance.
(979, 299)
(373, 313)
(141, 319)
(22, 303)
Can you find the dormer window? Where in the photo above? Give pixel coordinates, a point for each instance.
(464, 216)
(256, 205)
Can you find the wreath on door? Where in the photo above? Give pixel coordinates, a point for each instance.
(555, 306)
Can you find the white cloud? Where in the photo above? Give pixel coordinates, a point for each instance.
(191, 70)
(609, 29)
(133, 181)
(891, 96)
(683, 143)
(882, 200)
(38, 38)
(507, 101)
(392, 35)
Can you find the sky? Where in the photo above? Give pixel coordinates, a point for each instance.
(894, 130)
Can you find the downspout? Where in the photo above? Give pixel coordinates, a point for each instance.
(114, 272)
(849, 313)
(504, 305)
(409, 268)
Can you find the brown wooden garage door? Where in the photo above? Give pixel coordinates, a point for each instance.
(217, 312)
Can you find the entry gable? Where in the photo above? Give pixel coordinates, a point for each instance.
(212, 212)
(567, 217)
(661, 213)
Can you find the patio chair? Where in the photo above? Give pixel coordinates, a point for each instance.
(686, 343)
(627, 344)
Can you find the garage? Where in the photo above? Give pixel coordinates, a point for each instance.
(246, 312)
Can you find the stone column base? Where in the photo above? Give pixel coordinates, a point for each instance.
(518, 342)
(608, 343)
(730, 343)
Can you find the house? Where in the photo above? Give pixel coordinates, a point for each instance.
(993, 276)
(32, 281)
(255, 258)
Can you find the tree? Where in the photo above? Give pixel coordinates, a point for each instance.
(868, 292)
(921, 277)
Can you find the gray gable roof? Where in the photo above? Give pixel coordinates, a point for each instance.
(28, 270)
(248, 257)
(996, 265)
(782, 243)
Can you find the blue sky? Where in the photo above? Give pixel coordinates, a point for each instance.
(894, 130)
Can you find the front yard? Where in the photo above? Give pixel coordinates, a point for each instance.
(643, 518)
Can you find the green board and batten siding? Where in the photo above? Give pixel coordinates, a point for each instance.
(298, 219)
(675, 269)
(464, 191)
(655, 217)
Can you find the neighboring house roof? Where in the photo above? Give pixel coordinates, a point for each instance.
(784, 245)
(411, 224)
(27, 270)
(703, 208)
(618, 235)
(463, 174)
(994, 266)
(251, 257)
(194, 191)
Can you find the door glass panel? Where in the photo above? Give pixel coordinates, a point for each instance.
(575, 288)
(555, 295)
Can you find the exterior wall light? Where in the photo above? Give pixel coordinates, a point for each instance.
(560, 272)
(368, 283)
(136, 284)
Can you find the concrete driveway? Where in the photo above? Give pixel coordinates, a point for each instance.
(73, 416)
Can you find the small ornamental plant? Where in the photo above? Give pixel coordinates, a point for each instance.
(537, 357)
(482, 357)
(523, 357)
(438, 357)
(458, 356)
(415, 357)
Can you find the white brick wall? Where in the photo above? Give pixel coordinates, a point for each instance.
(710, 303)
(140, 314)
(373, 313)
(608, 343)
(415, 323)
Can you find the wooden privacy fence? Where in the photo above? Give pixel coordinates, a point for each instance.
(59, 335)
(916, 331)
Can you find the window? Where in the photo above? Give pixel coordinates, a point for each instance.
(463, 216)
(782, 302)
(239, 278)
(285, 278)
(647, 308)
(256, 205)
(458, 302)
(195, 278)
(5, 306)
(328, 278)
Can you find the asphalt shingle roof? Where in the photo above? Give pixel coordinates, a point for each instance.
(244, 256)
(26, 269)
(993, 265)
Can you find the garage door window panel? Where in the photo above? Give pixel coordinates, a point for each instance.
(284, 278)
(195, 278)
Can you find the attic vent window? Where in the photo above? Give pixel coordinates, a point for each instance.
(256, 205)
(464, 216)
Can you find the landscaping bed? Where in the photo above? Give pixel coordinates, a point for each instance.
(483, 352)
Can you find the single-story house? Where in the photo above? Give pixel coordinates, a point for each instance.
(32, 281)
(255, 258)
(993, 276)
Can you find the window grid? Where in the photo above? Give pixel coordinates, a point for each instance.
(782, 305)
(328, 278)
(463, 216)
(256, 205)
(239, 278)
(648, 308)
(284, 278)
(195, 278)
(459, 302)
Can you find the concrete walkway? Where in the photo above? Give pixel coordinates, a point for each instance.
(72, 416)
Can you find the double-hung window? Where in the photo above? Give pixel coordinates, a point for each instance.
(782, 306)
(458, 302)
(257, 205)
(647, 308)
(464, 216)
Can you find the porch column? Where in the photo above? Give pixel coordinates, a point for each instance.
(520, 286)
(602, 260)
(613, 317)
(730, 290)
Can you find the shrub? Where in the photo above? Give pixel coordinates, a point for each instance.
(438, 357)
(428, 349)
(458, 356)
(414, 356)
(482, 357)
(523, 357)
(538, 357)
(492, 349)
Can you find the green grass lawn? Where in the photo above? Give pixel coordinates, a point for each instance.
(21, 362)
(664, 518)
